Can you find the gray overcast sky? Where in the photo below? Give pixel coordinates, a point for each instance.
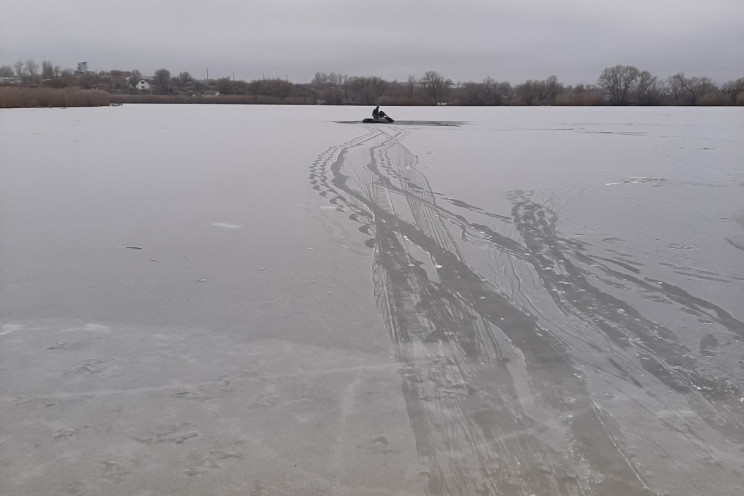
(464, 40)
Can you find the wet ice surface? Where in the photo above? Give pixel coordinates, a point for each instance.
(269, 300)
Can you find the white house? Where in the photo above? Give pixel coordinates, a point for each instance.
(142, 85)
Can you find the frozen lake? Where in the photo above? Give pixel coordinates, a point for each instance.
(262, 300)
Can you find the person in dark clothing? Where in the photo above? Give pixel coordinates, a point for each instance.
(380, 116)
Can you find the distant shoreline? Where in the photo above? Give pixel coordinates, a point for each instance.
(39, 97)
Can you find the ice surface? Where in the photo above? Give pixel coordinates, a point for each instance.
(283, 300)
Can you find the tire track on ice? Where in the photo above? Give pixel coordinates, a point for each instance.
(495, 405)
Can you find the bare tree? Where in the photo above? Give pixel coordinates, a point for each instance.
(547, 90)
(411, 86)
(331, 95)
(183, 81)
(63, 78)
(676, 87)
(47, 70)
(698, 87)
(320, 79)
(185, 77)
(135, 77)
(488, 92)
(735, 91)
(323, 78)
(647, 89)
(365, 90)
(435, 86)
(162, 81)
(338, 78)
(276, 90)
(617, 82)
(527, 93)
(227, 86)
(32, 67)
(581, 95)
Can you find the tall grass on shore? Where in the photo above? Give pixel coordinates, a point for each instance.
(217, 99)
(52, 97)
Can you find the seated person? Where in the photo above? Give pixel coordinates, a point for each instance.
(376, 113)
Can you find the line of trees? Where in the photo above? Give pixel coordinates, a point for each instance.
(617, 85)
(626, 85)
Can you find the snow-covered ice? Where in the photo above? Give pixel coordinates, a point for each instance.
(283, 300)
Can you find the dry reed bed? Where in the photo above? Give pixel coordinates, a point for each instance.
(217, 99)
(51, 97)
